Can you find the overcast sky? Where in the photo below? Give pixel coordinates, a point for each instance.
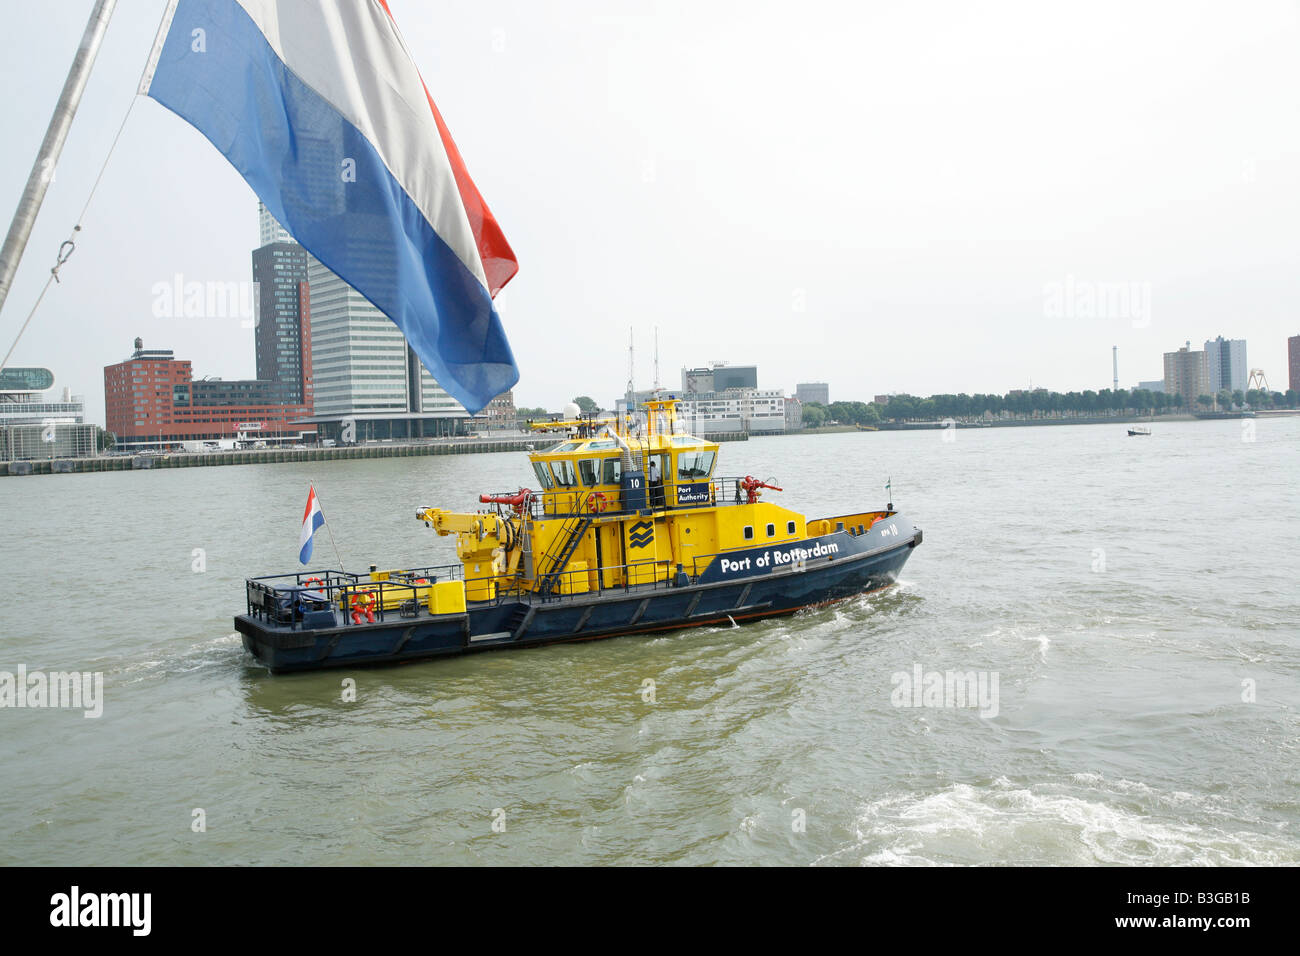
(913, 197)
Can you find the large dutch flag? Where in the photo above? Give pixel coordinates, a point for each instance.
(320, 107)
(312, 519)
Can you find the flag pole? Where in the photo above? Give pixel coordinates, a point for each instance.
(330, 530)
(42, 174)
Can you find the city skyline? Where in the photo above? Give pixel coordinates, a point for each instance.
(1146, 204)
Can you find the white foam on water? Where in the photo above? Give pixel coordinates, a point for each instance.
(1042, 824)
(183, 661)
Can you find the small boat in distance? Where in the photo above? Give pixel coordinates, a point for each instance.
(1138, 430)
(631, 533)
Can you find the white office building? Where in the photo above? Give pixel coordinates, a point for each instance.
(364, 375)
(363, 369)
(756, 411)
(39, 424)
(1227, 364)
(269, 229)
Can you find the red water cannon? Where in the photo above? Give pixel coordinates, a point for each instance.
(751, 486)
(518, 501)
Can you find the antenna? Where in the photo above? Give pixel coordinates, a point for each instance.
(657, 385)
(631, 366)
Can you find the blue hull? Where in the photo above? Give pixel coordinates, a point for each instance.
(761, 582)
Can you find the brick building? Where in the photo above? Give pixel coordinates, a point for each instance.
(152, 400)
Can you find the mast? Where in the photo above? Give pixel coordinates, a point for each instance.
(20, 229)
(657, 384)
(631, 366)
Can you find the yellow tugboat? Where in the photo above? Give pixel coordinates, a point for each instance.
(631, 531)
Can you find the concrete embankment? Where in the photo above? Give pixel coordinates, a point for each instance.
(264, 456)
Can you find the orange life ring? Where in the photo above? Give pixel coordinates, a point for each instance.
(596, 502)
(308, 582)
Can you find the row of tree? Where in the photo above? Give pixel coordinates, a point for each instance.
(1137, 401)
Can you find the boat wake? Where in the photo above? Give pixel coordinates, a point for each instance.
(222, 651)
(1088, 820)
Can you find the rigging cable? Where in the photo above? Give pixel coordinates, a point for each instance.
(69, 245)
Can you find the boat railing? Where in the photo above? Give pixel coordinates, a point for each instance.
(310, 598)
(581, 500)
(638, 576)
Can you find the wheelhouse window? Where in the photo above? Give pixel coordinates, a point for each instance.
(612, 473)
(543, 476)
(694, 465)
(565, 476)
(589, 471)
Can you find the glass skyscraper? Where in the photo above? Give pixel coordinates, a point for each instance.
(357, 364)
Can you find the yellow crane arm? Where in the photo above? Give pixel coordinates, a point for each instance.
(452, 522)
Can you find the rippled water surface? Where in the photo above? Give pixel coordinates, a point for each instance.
(1138, 600)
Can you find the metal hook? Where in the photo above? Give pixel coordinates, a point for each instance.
(65, 253)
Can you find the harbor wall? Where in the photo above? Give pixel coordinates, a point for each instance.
(264, 456)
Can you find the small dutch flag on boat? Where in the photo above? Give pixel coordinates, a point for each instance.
(312, 519)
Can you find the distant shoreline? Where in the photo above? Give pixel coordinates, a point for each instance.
(262, 456)
(1023, 422)
(266, 456)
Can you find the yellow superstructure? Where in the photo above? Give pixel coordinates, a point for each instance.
(620, 503)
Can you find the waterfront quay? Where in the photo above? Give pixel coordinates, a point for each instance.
(264, 456)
